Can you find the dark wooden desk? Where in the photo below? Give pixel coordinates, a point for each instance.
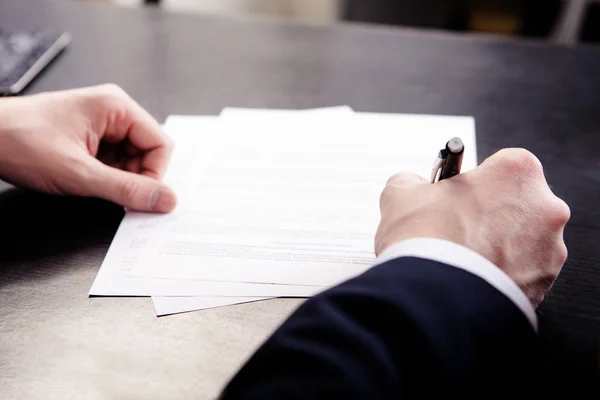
(57, 343)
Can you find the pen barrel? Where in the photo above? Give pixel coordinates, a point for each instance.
(454, 155)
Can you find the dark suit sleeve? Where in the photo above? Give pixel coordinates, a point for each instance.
(408, 328)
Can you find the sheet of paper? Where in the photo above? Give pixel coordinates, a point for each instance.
(134, 238)
(292, 200)
(193, 137)
(234, 112)
(175, 305)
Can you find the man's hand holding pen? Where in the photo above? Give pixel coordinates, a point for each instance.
(503, 210)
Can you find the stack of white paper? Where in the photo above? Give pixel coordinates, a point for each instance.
(272, 203)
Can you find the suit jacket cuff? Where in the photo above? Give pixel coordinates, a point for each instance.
(458, 256)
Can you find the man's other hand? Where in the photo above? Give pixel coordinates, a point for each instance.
(87, 142)
(503, 210)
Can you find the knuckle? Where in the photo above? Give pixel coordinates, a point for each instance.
(563, 212)
(111, 100)
(110, 97)
(558, 214)
(521, 161)
(562, 253)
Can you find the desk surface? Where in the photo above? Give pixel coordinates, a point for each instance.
(55, 342)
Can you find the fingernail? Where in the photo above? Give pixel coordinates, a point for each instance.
(163, 200)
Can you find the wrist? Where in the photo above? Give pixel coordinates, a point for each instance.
(451, 227)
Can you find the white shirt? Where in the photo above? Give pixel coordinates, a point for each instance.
(466, 259)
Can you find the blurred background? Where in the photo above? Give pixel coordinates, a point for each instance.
(562, 21)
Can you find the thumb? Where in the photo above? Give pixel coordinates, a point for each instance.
(133, 191)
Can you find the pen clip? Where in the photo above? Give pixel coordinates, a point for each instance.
(438, 165)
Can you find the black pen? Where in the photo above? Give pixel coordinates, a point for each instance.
(449, 160)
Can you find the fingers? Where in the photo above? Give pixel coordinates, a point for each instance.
(133, 191)
(510, 167)
(118, 118)
(128, 138)
(403, 180)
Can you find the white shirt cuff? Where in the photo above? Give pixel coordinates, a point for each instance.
(458, 256)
